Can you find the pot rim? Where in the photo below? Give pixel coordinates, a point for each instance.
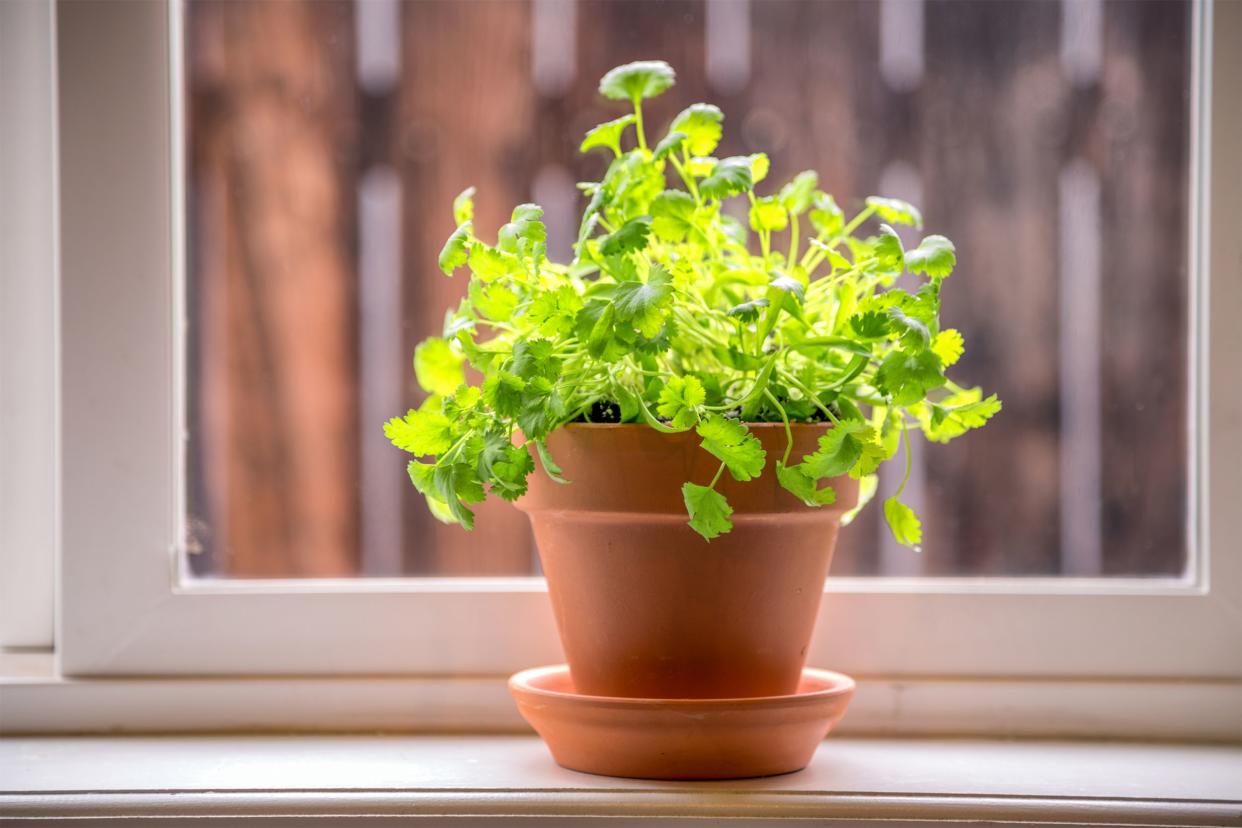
(838, 684)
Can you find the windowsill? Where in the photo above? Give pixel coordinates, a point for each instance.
(514, 777)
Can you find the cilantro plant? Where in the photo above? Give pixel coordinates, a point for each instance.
(674, 315)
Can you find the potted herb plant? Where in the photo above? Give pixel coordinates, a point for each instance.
(720, 392)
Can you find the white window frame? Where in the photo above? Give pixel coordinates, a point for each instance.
(28, 297)
(125, 610)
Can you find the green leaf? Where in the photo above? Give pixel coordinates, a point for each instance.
(503, 391)
(732, 443)
(903, 522)
(607, 135)
(907, 377)
(438, 367)
(454, 253)
(602, 332)
(463, 206)
(896, 211)
(888, 251)
(554, 312)
(827, 217)
(709, 511)
(669, 143)
(494, 301)
(949, 346)
(870, 324)
(641, 303)
(798, 195)
(749, 311)
(934, 256)
(768, 214)
(759, 166)
(488, 263)
(701, 124)
(914, 333)
(523, 230)
(672, 215)
(806, 489)
(728, 178)
(549, 465)
(630, 236)
(948, 421)
(837, 452)
(637, 81)
(422, 432)
(508, 478)
(680, 401)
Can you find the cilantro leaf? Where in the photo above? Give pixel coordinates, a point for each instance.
(453, 255)
(729, 177)
(870, 324)
(888, 251)
(503, 392)
(640, 303)
(732, 443)
(749, 311)
(896, 211)
(630, 236)
(949, 346)
(934, 256)
(907, 377)
(769, 214)
(463, 206)
(709, 511)
(795, 481)
(549, 465)
(607, 135)
(601, 333)
(672, 215)
(554, 312)
(637, 81)
(798, 195)
(668, 144)
(759, 166)
(508, 478)
(523, 230)
(905, 525)
(680, 399)
(422, 432)
(826, 216)
(701, 124)
(947, 421)
(838, 450)
(494, 301)
(438, 367)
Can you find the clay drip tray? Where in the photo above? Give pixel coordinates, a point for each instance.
(681, 738)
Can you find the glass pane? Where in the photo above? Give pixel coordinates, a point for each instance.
(327, 138)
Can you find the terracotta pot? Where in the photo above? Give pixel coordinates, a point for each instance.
(681, 738)
(646, 607)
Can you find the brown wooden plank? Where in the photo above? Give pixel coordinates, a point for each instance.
(465, 119)
(274, 398)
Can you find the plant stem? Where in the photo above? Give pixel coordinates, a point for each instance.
(784, 419)
(638, 123)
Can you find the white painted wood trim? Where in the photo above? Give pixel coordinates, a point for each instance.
(890, 781)
(34, 700)
(28, 324)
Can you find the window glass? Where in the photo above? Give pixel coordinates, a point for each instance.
(327, 138)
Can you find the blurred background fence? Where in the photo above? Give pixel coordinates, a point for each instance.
(327, 138)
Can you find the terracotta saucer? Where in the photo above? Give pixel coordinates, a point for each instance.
(681, 738)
